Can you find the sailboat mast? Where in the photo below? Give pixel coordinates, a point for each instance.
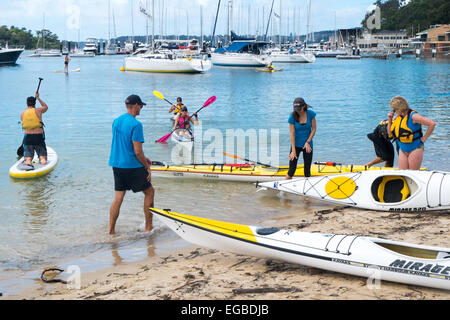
(201, 23)
(153, 25)
(215, 23)
(279, 26)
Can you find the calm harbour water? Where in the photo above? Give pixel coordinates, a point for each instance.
(63, 217)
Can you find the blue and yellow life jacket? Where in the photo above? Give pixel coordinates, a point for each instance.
(402, 132)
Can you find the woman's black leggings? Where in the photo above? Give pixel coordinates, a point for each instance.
(307, 160)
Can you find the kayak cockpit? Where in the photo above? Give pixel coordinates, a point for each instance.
(392, 188)
(415, 252)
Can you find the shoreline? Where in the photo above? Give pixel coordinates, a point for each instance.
(195, 273)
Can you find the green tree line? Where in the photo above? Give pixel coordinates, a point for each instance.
(22, 37)
(415, 16)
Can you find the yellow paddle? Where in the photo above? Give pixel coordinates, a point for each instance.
(160, 95)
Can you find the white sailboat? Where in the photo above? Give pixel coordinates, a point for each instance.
(279, 55)
(165, 60)
(43, 52)
(111, 48)
(241, 52)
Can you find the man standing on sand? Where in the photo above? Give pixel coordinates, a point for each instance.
(130, 166)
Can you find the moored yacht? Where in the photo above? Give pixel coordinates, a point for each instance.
(90, 45)
(9, 56)
(241, 53)
(166, 61)
(283, 56)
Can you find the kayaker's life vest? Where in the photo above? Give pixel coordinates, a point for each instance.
(178, 109)
(30, 119)
(402, 132)
(183, 123)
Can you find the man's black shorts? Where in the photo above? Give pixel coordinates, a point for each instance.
(134, 179)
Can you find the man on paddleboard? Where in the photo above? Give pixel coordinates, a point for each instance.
(131, 168)
(32, 125)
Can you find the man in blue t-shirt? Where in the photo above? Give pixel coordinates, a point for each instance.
(130, 166)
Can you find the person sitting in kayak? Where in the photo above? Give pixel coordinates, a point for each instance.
(270, 67)
(176, 109)
(183, 120)
(32, 125)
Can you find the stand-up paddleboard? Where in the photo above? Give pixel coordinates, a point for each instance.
(63, 71)
(350, 254)
(248, 172)
(268, 70)
(384, 190)
(21, 171)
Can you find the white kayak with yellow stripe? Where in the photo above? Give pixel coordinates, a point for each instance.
(377, 259)
(20, 170)
(247, 172)
(384, 190)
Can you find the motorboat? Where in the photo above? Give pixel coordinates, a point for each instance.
(9, 56)
(91, 46)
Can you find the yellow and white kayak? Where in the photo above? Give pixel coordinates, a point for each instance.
(383, 190)
(372, 258)
(248, 172)
(268, 70)
(21, 171)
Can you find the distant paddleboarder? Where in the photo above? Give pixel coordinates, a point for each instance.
(66, 63)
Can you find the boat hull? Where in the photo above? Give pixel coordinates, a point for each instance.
(383, 190)
(246, 173)
(376, 259)
(9, 56)
(180, 65)
(230, 59)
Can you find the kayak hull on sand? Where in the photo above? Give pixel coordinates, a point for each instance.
(17, 170)
(246, 172)
(350, 254)
(383, 190)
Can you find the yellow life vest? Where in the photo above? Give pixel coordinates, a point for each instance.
(178, 108)
(402, 132)
(30, 119)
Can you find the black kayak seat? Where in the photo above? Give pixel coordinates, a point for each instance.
(266, 231)
(389, 189)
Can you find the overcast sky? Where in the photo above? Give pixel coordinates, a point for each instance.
(66, 17)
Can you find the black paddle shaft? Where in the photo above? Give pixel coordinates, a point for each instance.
(39, 85)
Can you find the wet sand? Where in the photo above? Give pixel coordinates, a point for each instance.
(201, 273)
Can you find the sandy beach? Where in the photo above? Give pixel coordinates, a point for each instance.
(196, 273)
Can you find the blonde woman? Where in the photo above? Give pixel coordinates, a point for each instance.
(407, 130)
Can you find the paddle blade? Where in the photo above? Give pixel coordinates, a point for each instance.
(158, 94)
(20, 151)
(231, 155)
(164, 139)
(209, 101)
